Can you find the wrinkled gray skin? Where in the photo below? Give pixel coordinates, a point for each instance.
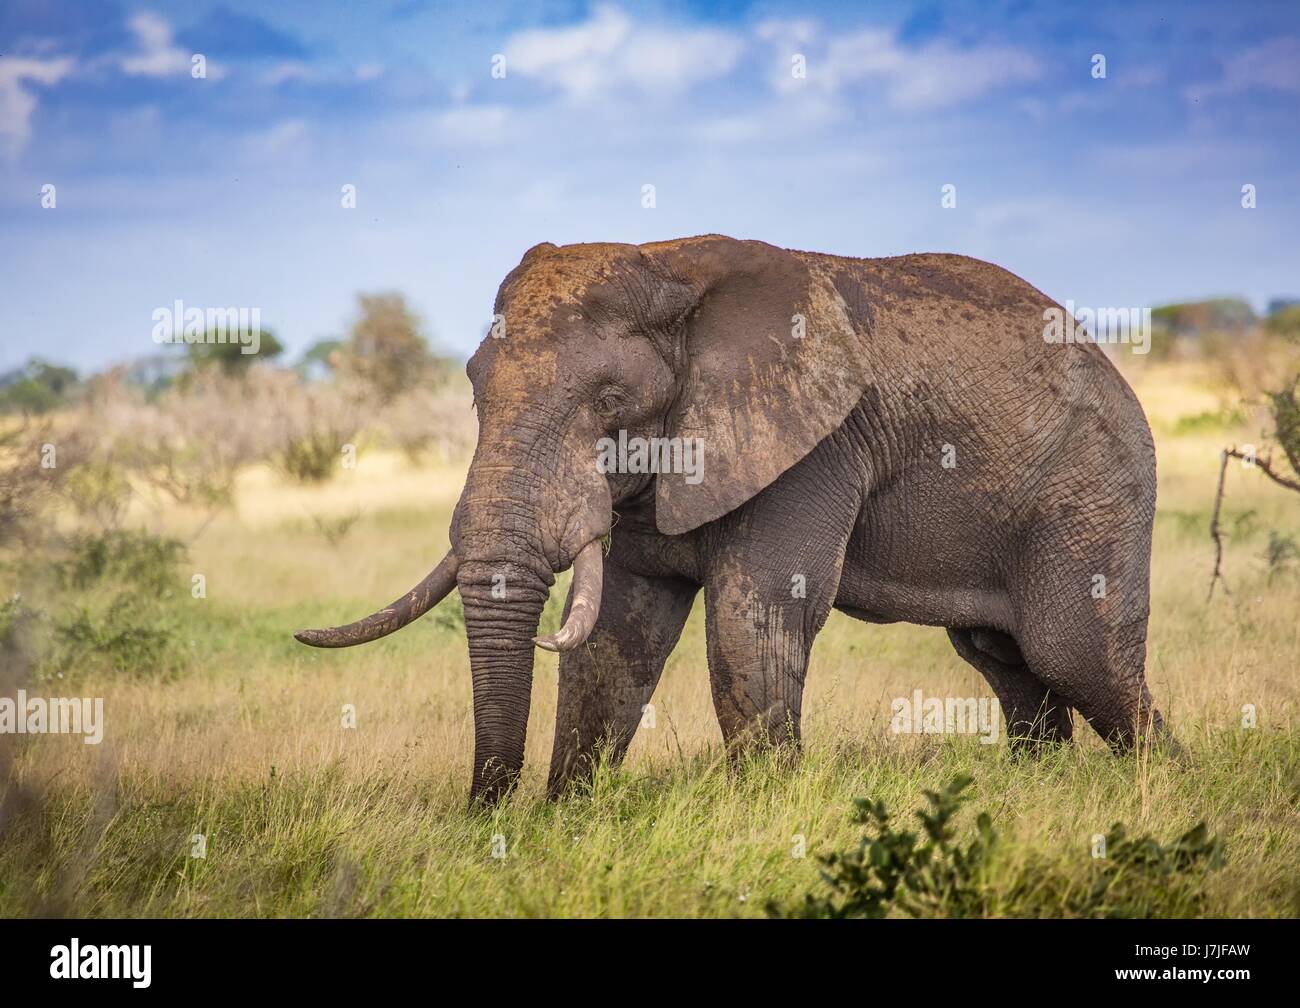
(916, 452)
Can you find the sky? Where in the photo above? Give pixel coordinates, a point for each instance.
(470, 132)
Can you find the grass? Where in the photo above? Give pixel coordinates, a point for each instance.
(302, 816)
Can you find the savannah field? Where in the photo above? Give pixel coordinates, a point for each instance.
(241, 741)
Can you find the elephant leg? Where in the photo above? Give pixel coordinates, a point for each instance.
(1034, 714)
(606, 683)
(767, 595)
(1082, 629)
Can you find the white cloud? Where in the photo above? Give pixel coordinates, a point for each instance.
(608, 53)
(940, 75)
(157, 54)
(283, 141)
(936, 75)
(1274, 66)
(288, 70)
(17, 103)
(787, 32)
(483, 125)
(783, 121)
(302, 72)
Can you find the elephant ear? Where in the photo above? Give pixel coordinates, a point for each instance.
(772, 363)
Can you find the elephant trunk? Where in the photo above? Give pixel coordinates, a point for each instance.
(504, 578)
(503, 602)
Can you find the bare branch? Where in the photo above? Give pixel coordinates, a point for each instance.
(1215, 532)
(1265, 466)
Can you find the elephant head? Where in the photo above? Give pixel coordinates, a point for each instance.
(746, 349)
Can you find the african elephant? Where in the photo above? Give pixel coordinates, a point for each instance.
(896, 436)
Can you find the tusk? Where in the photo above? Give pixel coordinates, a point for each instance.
(584, 606)
(411, 606)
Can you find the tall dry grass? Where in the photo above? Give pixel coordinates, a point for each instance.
(303, 816)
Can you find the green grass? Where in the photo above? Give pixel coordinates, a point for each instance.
(347, 837)
(243, 741)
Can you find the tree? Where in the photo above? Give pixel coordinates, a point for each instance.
(1285, 322)
(386, 349)
(230, 355)
(1194, 318)
(321, 358)
(38, 388)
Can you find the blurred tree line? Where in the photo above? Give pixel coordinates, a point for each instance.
(1182, 324)
(386, 352)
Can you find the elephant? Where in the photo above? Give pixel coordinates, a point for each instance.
(896, 438)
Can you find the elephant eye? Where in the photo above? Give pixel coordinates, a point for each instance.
(609, 400)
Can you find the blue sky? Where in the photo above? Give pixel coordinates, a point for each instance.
(226, 191)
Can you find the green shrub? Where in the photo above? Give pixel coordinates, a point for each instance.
(116, 611)
(144, 563)
(1140, 877)
(892, 870)
(1285, 322)
(126, 637)
(1284, 405)
(313, 457)
(1280, 553)
(39, 388)
(895, 871)
(99, 492)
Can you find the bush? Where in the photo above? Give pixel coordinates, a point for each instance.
(123, 617)
(335, 530)
(894, 872)
(1284, 406)
(434, 421)
(1141, 878)
(1285, 322)
(98, 491)
(39, 388)
(185, 446)
(24, 484)
(1280, 553)
(130, 636)
(311, 458)
(311, 425)
(144, 562)
(1250, 362)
